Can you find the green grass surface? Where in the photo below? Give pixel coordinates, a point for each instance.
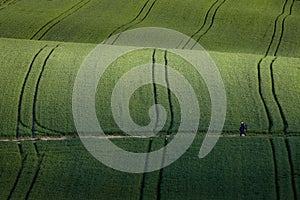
(255, 45)
(47, 94)
(286, 75)
(293, 148)
(58, 69)
(237, 168)
(223, 25)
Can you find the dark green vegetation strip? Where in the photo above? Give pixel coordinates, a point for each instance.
(293, 158)
(23, 161)
(237, 168)
(294, 146)
(283, 174)
(145, 169)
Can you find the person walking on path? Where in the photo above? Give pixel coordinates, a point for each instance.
(243, 129)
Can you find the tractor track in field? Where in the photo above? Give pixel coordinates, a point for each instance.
(276, 178)
(6, 3)
(155, 89)
(272, 51)
(270, 122)
(291, 165)
(158, 187)
(145, 169)
(23, 89)
(170, 129)
(207, 23)
(34, 118)
(285, 123)
(53, 22)
(140, 17)
(160, 176)
(124, 25)
(40, 160)
(23, 162)
(36, 122)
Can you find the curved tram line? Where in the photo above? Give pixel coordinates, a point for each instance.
(207, 23)
(119, 28)
(272, 50)
(53, 22)
(19, 121)
(140, 17)
(6, 3)
(40, 160)
(23, 162)
(291, 165)
(158, 186)
(35, 125)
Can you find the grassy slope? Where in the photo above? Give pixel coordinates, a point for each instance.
(94, 22)
(14, 66)
(293, 144)
(53, 106)
(19, 16)
(290, 42)
(287, 76)
(244, 32)
(236, 168)
(10, 160)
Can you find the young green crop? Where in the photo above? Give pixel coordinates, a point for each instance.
(238, 167)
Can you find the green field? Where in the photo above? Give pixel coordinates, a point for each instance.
(255, 46)
(238, 168)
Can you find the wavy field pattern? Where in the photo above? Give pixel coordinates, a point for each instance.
(255, 46)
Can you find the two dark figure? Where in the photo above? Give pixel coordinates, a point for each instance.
(243, 129)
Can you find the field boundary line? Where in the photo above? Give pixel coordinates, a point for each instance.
(53, 22)
(133, 22)
(291, 165)
(23, 162)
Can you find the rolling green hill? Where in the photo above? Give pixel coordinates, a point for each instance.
(255, 46)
